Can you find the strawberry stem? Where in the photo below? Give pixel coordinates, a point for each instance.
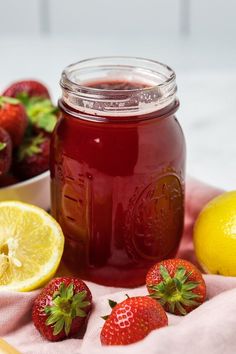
(176, 292)
(66, 306)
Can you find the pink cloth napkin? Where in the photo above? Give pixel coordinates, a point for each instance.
(208, 329)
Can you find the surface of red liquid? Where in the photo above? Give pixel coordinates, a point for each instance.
(117, 85)
(118, 193)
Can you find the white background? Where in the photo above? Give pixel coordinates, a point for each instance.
(38, 38)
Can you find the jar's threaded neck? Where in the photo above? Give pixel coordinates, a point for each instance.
(157, 86)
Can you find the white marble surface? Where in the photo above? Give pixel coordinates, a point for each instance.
(206, 76)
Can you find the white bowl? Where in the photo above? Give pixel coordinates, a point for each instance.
(35, 191)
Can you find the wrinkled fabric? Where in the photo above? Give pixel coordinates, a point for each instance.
(208, 329)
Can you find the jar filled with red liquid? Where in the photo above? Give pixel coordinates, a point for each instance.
(117, 168)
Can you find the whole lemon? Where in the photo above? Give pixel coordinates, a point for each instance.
(215, 235)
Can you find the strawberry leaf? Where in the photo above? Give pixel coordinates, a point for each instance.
(69, 292)
(41, 112)
(2, 146)
(47, 122)
(58, 326)
(10, 100)
(68, 322)
(31, 146)
(80, 312)
(23, 97)
(80, 296)
(112, 303)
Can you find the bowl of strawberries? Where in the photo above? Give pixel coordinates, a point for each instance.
(27, 120)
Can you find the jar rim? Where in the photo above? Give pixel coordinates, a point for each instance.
(66, 81)
(158, 93)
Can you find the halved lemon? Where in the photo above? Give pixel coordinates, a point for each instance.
(31, 246)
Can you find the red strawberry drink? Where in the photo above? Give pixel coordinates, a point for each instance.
(117, 168)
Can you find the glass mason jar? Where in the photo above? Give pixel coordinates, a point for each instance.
(117, 168)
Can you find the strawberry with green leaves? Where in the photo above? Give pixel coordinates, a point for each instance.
(62, 308)
(36, 100)
(132, 320)
(5, 152)
(32, 157)
(177, 285)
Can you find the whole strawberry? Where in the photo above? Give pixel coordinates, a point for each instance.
(132, 320)
(62, 308)
(5, 152)
(13, 118)
(177, 285)
(35, 97)
(32, 157)
(30, 87)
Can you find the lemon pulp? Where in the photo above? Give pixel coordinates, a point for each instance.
(31, 246)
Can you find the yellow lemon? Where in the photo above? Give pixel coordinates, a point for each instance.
(31, 246)
(215, 235)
